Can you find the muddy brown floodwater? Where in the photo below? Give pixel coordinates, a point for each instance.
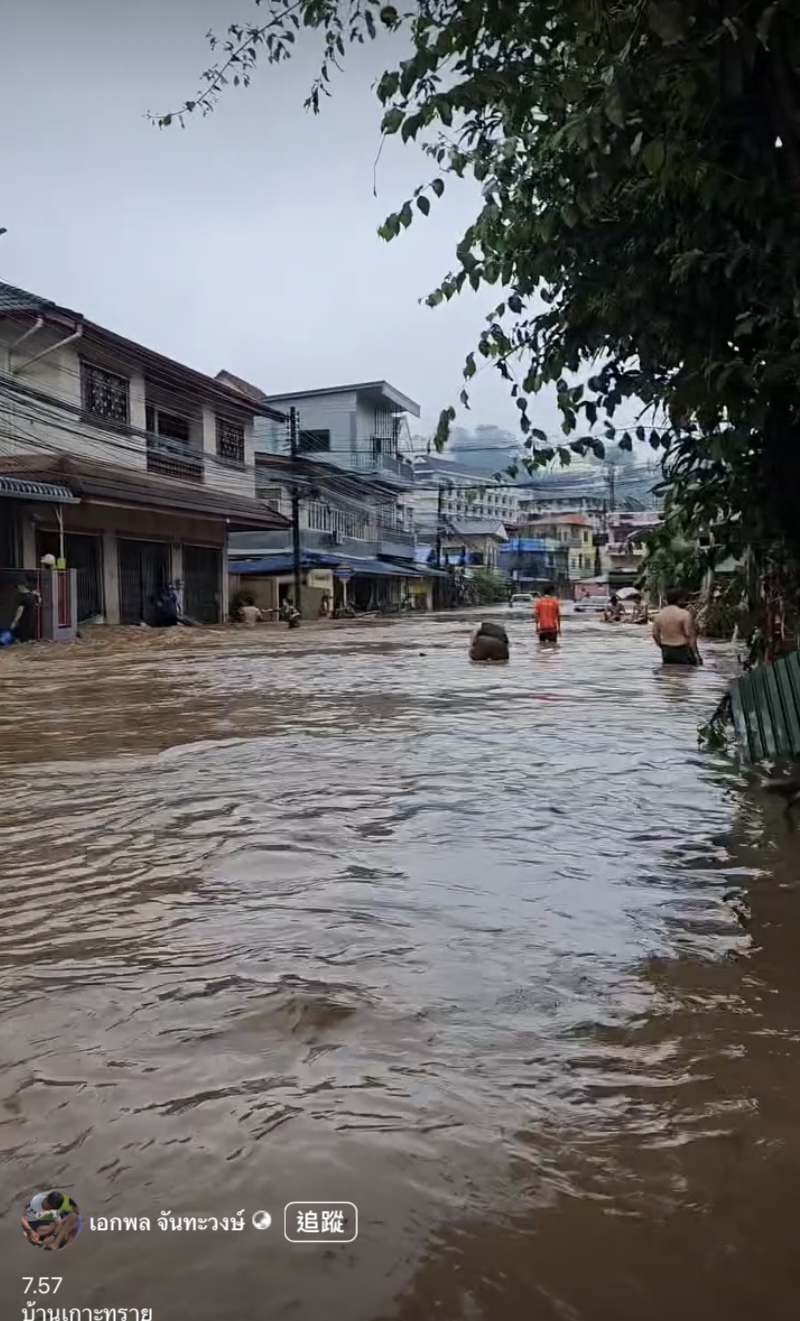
(494, 953)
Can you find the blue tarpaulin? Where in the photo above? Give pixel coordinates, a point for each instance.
(522, 545)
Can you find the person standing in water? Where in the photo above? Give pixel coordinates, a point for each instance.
(547, 615)
(675, 632)
(23, 625)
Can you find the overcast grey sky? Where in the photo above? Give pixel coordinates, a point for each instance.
(247, 241)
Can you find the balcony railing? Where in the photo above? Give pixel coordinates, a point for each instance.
(173, 458)
(382, 465)
(400, 535)
(327, 518)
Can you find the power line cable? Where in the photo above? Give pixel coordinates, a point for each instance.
(172, 379)
(47, 409)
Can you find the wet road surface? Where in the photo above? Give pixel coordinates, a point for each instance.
(492, 952)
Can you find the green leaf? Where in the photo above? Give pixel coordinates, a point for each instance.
(615, 106)
(406, 215)
(469, 366)
(392, 121)
(390, 228)
(654, 156)
(438, 186)
(442, 433)
(411, 127)
(423, 205)
(564, 455)
(387, 86)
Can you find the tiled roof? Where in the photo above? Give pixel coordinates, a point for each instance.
(13, 299)
(105, 482)
(244, 387)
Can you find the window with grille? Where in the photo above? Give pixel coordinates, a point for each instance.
(230, 440)
(104, 395)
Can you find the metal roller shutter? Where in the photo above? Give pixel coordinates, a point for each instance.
(143, 575)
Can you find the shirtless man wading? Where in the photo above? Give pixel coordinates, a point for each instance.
(675, 633)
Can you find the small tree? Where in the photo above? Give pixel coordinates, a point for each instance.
(487, 587)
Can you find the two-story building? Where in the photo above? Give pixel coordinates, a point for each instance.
(531, 562)
(354, 486)
(624, 552)
(122, 463)
(361, 428)
(572, 531)
(471, 543)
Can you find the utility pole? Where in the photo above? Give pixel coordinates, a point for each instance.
(296, 555)
(612, 487)
(439, 518)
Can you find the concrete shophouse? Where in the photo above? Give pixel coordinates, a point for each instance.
(131, 468)
(356, 492)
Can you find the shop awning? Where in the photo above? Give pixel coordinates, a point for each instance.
(78, 480)
(280, 563)
(17, 489)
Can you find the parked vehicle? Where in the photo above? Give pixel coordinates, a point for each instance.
(592, 605)
(521, 604)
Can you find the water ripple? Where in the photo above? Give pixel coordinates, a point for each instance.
(337, 914)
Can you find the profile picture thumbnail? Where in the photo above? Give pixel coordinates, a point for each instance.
(51, 1220)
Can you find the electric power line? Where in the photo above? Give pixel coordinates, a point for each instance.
(46, 409)
(172, 379)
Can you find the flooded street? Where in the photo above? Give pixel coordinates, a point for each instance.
(492, 952)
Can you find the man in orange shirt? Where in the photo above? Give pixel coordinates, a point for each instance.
(547, 615)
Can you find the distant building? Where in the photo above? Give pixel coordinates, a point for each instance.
(623, 554)
(572, 531)
(531, 562)
(472, 543)
(458, 492)
(362, 428)
(591, 488)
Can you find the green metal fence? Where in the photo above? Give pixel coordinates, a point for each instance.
(766, 710)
